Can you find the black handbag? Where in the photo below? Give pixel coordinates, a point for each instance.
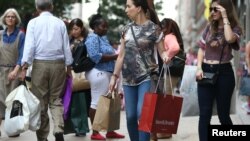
(81, 60)
(210, 78)
(178, 63)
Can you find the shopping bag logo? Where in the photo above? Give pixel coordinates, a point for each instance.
(164, 122)
(17, 109)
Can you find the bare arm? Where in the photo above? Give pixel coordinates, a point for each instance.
(230, 36)
(13, 74)
(119, 61)
(118, 66)
(200, 55)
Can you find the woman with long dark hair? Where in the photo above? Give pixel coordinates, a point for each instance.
(219, 38)
(135, 72)
(173, 44)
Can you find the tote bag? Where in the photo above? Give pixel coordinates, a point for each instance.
(107, 117)
(77, 121)
(67, 97)
(161, 112)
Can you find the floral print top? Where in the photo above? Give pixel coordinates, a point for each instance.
(147, 35)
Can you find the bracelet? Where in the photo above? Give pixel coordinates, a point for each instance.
(199, 68)
(226, 23)
(115, 75)
(224, 17)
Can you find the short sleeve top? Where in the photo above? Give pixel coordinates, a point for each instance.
(214, 53)
(134, 69)
(97, 47)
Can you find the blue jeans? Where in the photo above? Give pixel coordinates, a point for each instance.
(134, 96)
(221, 92)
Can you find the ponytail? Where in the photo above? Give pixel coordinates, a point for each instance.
(153, 16)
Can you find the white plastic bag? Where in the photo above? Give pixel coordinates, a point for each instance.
(17, 112)
(188, 90)
(35, 111)
(29, 118)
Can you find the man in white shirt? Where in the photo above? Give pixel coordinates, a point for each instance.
(47, 49)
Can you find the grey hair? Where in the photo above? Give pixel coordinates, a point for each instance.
(18, 19)
(44, 5)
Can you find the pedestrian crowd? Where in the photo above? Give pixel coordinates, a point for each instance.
(48, 45)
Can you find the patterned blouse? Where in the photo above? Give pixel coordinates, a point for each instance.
(134, 70)
(96, 47)
(214, 53)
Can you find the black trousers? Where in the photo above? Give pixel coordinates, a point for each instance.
(221, 92)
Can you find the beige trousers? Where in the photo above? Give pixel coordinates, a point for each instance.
(47, 83)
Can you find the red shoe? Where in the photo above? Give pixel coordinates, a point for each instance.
(113, 135)
(97, 136)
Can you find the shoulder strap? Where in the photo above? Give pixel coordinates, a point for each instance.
(142, 55)
(221, 54)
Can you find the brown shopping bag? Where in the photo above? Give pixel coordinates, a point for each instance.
(160, 112)
(107, 117)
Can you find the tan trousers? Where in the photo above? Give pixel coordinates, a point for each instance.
(47, 83)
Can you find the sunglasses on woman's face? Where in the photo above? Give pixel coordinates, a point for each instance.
(213, 9)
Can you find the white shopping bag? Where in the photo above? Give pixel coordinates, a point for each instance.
(23, 111)
(35, 111)
(188, 90)
(17, 112)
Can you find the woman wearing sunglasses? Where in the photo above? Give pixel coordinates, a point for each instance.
(219, 38)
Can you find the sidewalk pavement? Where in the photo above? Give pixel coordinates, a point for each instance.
(187, 130)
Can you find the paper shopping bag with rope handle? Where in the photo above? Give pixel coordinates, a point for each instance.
(160, 112)
(107, 117)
